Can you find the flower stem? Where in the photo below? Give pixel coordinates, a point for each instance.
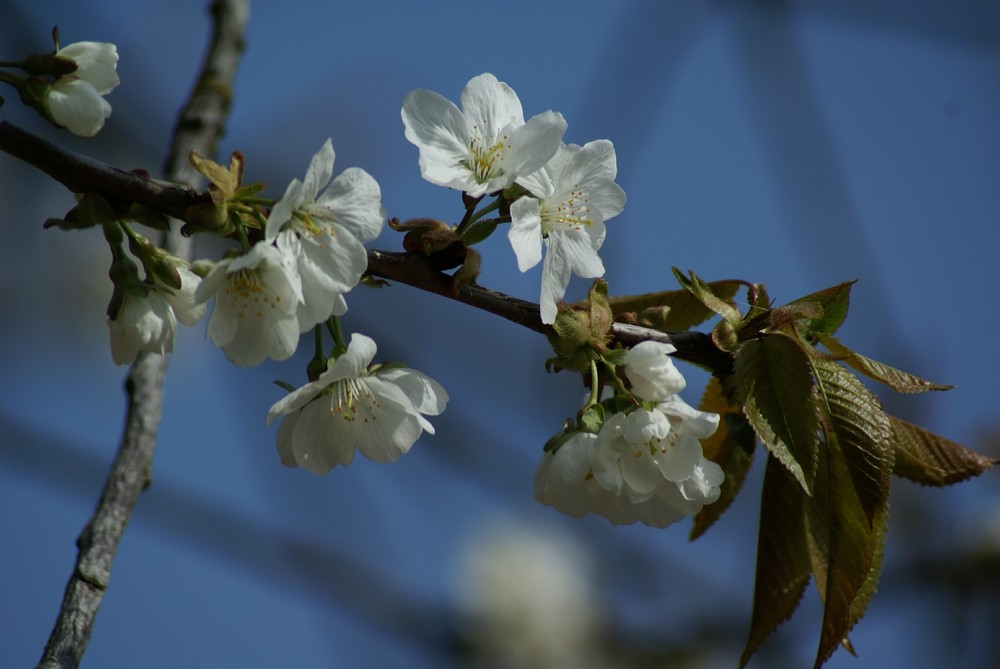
(244, 240)
(470, 207)
(333, 325)
(595, 385)
(317, 365)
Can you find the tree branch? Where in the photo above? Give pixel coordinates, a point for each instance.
(80, 174)
(199, 127)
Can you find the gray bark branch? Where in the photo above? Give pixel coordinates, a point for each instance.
(199, 127)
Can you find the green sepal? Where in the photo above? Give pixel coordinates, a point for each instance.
(557, 440)
(480, 230)
(615, 357)
(591, 418)
(91, 209)
(159, 265)
(579, 333)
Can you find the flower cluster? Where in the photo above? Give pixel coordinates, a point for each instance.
(377, 409)
(313, 253)
(563, 193)
(642, 466)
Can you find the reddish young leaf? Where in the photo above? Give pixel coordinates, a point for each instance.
(898, 380)
(841, 546)
(782, 556)
(928, 459)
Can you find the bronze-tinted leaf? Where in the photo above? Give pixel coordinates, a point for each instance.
(841, 546)
(858, 435)
(928, 459)
(704, 294)
(775, 385)
(898, 380)
(782, 557)
(731, 447)
(863, 432)
(671, 310)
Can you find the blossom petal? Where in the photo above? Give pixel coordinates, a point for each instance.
(492, 104)
(77, 106)
(534, 144)
(360, 352)
(320, 443)
(427, 395)
(525, 232)
(439, 130)
(319, 171)
(354, 203)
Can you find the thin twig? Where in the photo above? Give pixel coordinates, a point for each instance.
(199, 127)
(79, 173)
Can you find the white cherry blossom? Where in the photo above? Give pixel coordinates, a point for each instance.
(76, 100)
(325, 233)
(646, 466)
(484, 146)
(144, 322)
(379, 411)
(147, 317)
(650, 370)
(574, 194)
(256, 298)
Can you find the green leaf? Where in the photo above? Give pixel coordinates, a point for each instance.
(703, 293)
(671, 310)
(731, 447)
(863, 432)
(782, 556)
(775, 387)
(858, 429)
(833, 303)
(928, 459)
(898, 380)
(841, 546)
(479, 231)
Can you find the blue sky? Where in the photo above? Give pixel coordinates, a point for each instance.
(799, 147)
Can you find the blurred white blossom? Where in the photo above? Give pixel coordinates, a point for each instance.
(527, 599)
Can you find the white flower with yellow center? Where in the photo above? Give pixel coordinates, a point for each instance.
(326, 233)
(256, 298)
(486, 145)
(574, 194)
(380, 411)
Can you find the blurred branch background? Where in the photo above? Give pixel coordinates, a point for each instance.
(800, 144)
